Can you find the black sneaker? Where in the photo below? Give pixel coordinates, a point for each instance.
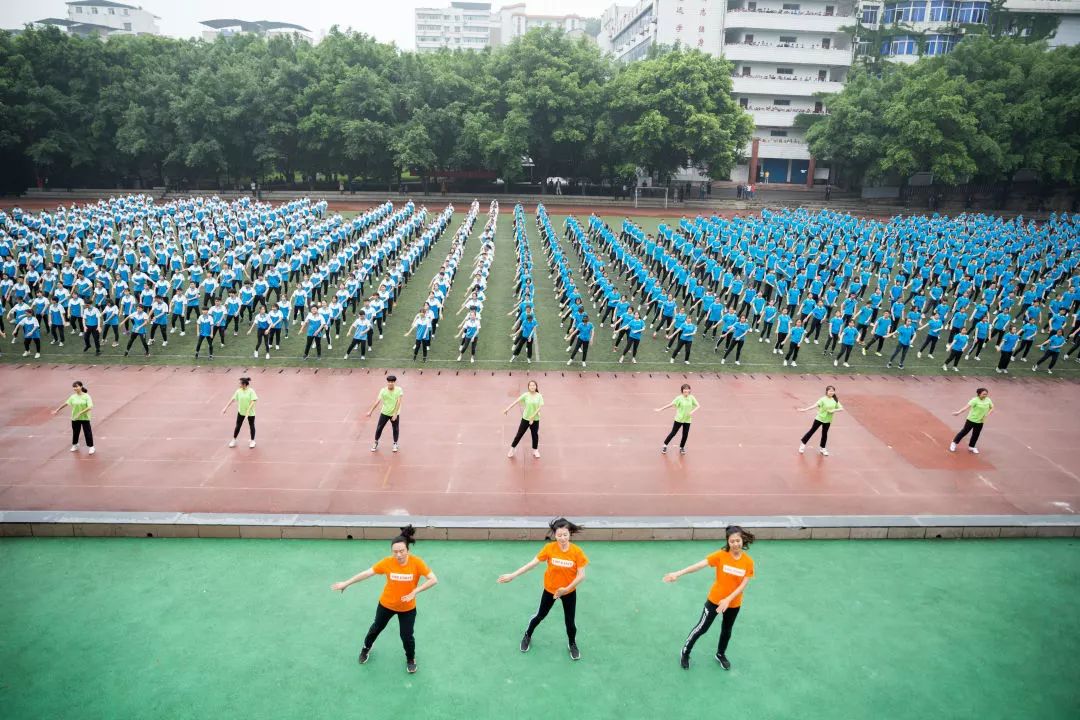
(364, 653)
(575, 654)
(410, 666)
(525, 642)
(684, 661)
(724, 662)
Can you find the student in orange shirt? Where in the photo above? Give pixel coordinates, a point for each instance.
(734, 568)
(403, 572)
(565, 571)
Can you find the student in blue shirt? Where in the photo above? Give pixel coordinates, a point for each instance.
(261, 323)
(783, 327)
(1027, 338)
(768, 320)
(137, 323)
(936, 325)
(797, 334)
(159, 319)
(1052, 345)
(56, 320)
(881, 329)
(982, 334)
(526, 337)
(92, 320)
(421, 329)
(848, 337)
(836, 325)
(905, 335)
(30, 328)
(581, 335)
(685, 332)
(205, 326)
(956, 351)
(469, 333)
(315, 326)
(634, 330)
(738, 332)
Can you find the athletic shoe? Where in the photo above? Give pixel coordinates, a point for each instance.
(738, 363)
(1049, 372)
(919, 354)
(621, 359)
(687, 362)
(785, 363)
(974, 450)
(582, 363)
(267, 356)
(663, 450)
(472, 359)
(836, 363)
(978, 359)
(888, 365)
(395, 448)
(633, 360)
(682, 451)
(794, 364)
(232, 443)
(536, 454)
(570, 361)
(944, 367)
(525, 642)
(952, 447)
(374, 446)
(955, 369)
(815, 342)
(723, 361)
(510, 453)
(864, 351)
(1034, 368)
(997, 370)
(930, 356)
(364, 654)
(410, 666)
(878, 354)
(684, 661)
(802, 448)
(846, 365)
(74, 448)
(901, 367)
(575, 654)
(458, 358)
(724, 662)
(91, 451)
(824, 452)
(256, 355)
(251, 444)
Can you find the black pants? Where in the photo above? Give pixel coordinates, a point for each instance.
(632, 347)
(879, 339)
(845, 353)
(900, 350)
(766, 330)
(687, 344)
(394, 426)
(534, 430)
(792, 352)
(425, 344)
(1052, 356)
(140, 338)
(737, 346)
(466, 342)
(780, 338)
(57, 332)
(569, 606)
(362, 344)
(317, 339)
(115, 331)
(240, 424)
(931, 341)
(675, 427)
(84, 427)
(92, 334)
(406, 623)
(954, 358)
(584, 345)
(813, 429)
(975, 428)
(522, 342)
(209, 343)
(164, 332)
(1004, 360)
(262, 337)
(708, 614)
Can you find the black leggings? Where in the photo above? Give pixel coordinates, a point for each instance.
(569, 606)
(394, 426)
(845, 353)
(406, 623)
(900, 350)
(92, 334)
(362, 344)
(1052, 356)
(209, 343)
(317, 339)
(57, 332)
(1004, 360)
(675, 427)
(534, 430)
(687, 344)
(584, 345)
(84, 426)
(954, 358)
(708, 614)
(792, 352)
(425, 344)
(240, 424)
(522, 342)
(975, 428)
(737, 346)
(466, 342)
(141, 338)
(813, 429)
(931, 341)
(632, 347)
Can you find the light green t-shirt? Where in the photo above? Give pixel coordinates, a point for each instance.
(78, 402)
(244, 401)
(683, 405)
(826, 406)
(390, 399)
(531, 403)
(979, 408)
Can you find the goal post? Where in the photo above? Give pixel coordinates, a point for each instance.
(650, 197)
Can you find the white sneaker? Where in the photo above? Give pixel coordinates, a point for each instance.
(955, 369)
(794, 364)
(973, 450)
(621, 358)
(633, 360)
(232, 443)
(277, 347)
(570, 361)
(952, 447)
(395, 448)
(785, 363)
(510, 453)
(836, 363)
(472, 359)
(345, 357)
(251, 444)
(723, 361)
(824, 452)
(802, 448)
(459, 358)
(846, 365)
(74, 448)
(255, 354)
(374, 446)
(738, 363)
(61, 344)
(37, 356)
(267, 356)
(918, 354)
(536, 454)
(91, 451)
(165, 344)
(26, 353)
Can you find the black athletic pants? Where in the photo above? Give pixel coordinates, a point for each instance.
(569, 606)
(84, 427)
(675, 427)
(534, 430)
(708, 614)
(140, 338)
(406, 623)
(240, 424)
(522, 342)
(394, 426)
(92, 334)
(813, 429)
(209, 343)
(975, 428)
(317, 339)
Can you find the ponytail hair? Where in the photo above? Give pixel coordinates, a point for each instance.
(406, 536)
(747, 537)
(558, 524)
(835, 396)
(79, 384)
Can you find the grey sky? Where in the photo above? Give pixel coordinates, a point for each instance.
(387, 21)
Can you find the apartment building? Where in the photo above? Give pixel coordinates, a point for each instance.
(102, 18)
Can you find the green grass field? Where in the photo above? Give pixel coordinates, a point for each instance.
(493, 352)
(117, 628)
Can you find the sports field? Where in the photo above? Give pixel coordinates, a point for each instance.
(250, 629)
(493, 351)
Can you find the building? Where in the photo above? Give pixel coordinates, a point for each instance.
(512, 21)
(784, 53)
(462, 26)
(102, 18)
(228, 27)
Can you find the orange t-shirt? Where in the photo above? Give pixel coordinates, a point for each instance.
(562, 567)
(729, 573)
(400, 581)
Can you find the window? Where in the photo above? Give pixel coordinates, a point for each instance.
(746, 70)
(972, 12)
(790, 39)
(751, 6)
(791, 6)
(748, 39)
(78, 9)
(826, 43)
(112, 11)
(778, 133)
(940, 44)
(125, 11)
(900, 45)
(785, 71)
(822, 74)
(942, 10)
(908, 11)
(93, 11)
(830, 10)
(781, 102)
(127, 26)
(744, 102)
(870, 15)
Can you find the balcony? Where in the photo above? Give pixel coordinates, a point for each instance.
(781, 148)
(789, 55)
(779, 118)
(776, 86)
(1056, 7)
(800, 22)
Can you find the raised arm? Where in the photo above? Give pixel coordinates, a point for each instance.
(340, 586)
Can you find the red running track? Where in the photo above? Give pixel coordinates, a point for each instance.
(162, 439)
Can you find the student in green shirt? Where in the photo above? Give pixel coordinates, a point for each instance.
(977, 408)
(390, 400)
(80, 403)
(531, 402)
(827, 405)
(245, 399)
(685, 405)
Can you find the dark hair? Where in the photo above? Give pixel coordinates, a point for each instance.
(747, 537)
(684, 386)
(980, 391)
(834, 395)
(391, 378)
(558, 524)
(80, 384)
(245, 381)
(532, 382)
(406, 536)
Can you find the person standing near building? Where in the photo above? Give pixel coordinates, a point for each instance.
(245, 399)
(978, 409)
(531, 401)
(685, 406)
(390, 398)
(734, 569)
(81, 404)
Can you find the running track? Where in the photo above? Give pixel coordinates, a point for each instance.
(162, 439)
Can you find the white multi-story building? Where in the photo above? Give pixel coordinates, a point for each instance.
(462, 26)
(104, 18)
(784, 53)
(228, 27)
(512, 21)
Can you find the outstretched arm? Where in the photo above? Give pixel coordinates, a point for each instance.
(340, 586)
(673, 576)
(520, 571)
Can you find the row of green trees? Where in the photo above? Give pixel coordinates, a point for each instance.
(981, 113)
(81, 111)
